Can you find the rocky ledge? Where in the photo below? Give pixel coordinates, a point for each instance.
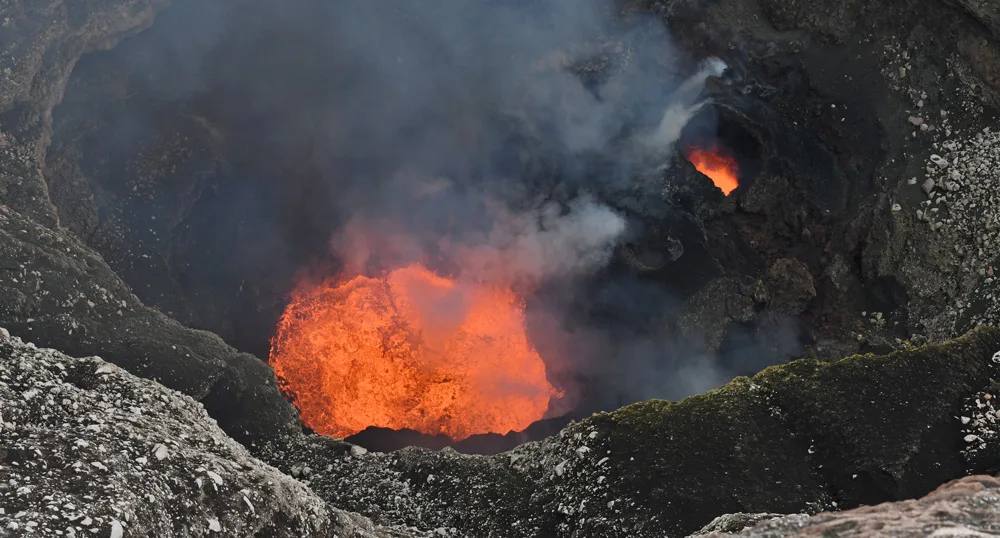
(86, 445)
(808, 436)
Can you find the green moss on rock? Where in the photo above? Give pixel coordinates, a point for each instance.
(807, 435)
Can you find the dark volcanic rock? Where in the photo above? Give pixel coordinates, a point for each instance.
(61, 292)
(88, 449)
(807, 436)
(710, 312)
(828, 87)
(789, 286)
(965, 507)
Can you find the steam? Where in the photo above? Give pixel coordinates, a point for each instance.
(683, 107)
(492, 137)
(545, 242)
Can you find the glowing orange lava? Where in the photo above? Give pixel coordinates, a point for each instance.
(719, 167)
(410, 349)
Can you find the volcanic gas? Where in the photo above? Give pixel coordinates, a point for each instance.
(410, 349)
(720, 167)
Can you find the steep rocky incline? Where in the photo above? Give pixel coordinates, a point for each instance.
(985, 11)
(41, 43)
(965, 507)
(58, 289)
(807, 436)
(87, 449)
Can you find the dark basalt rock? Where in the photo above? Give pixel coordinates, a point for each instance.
(806, 436)
(822, 436)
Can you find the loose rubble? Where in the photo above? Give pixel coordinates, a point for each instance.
(980, 431)
(951, 228)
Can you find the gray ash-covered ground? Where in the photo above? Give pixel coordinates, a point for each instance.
(87, 449)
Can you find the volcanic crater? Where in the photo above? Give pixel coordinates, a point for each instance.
(212, 193)
(484, 226)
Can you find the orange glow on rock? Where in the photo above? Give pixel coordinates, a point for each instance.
(719, 167)
(410, 349)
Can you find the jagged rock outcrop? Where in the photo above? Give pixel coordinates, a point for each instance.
(89, 449)
(807, 436)
(965, 507)
(60, 292)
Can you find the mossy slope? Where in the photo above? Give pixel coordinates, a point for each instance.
(806, 435)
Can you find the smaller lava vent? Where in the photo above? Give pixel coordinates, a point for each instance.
(719, 145)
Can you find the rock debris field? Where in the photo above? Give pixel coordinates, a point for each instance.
(87, 449)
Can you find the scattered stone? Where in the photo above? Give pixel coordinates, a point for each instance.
(111, 492)
(928, 186)
(161, 452)
(215, 477)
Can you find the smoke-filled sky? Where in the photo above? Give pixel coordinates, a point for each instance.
(489, 136)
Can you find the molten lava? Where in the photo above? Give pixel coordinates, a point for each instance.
(410, 349)
(719, 167)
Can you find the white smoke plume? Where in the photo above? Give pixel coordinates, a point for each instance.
(451, 132)
(545, 243)
(683, 106)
